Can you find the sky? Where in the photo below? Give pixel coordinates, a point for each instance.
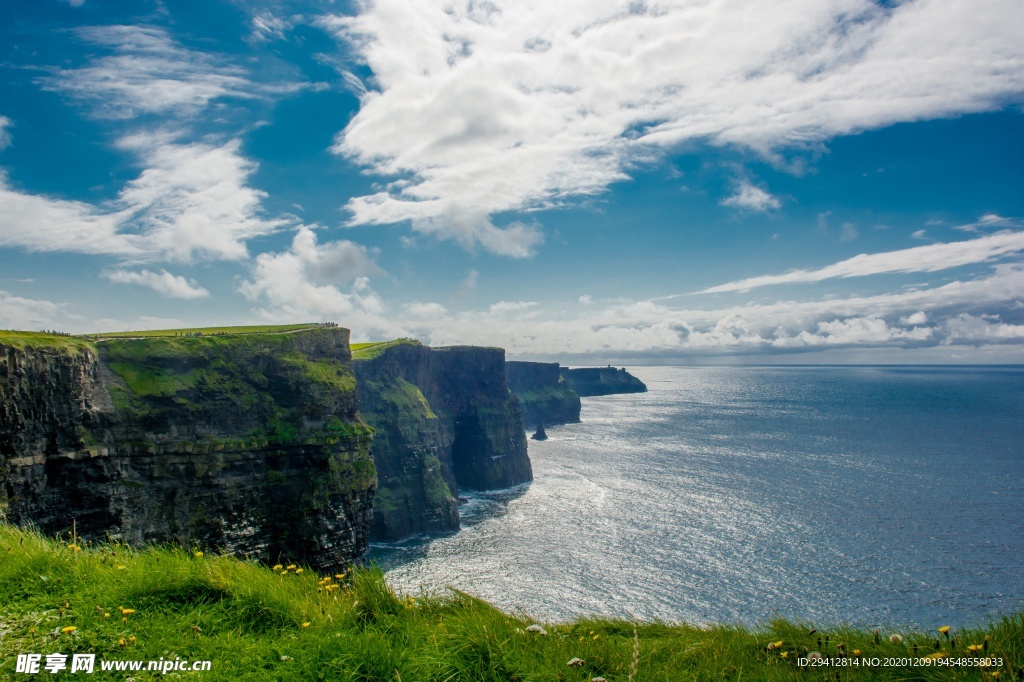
(588, 181)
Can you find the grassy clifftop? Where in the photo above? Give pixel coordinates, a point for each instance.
(258, 623)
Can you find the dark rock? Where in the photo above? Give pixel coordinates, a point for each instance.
(247, 443)
(543, 394)
(539, 434)
(444, 419)
(591, 381)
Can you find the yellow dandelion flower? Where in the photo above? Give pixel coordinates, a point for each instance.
(595, 637)
(944, 629)
(995, 675)
(290, 567)
(105, 615)
(31, 631)
(199, 555)
(127, 612)
(68, 630)
(306, 624)
(778, 644)
(974, 647)
(339, 576)
(856, 652)
(784, 654)
(121, 642)
(298, 571)
(277, 567)
(132, 639)
(121, 567)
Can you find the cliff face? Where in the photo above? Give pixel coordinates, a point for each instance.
(590, 381)
(444, 419)
(544, 396)
(249, 443)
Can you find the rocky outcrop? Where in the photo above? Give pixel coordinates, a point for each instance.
(250, 443)
(544, 396)
(444, 419)
(591, 381)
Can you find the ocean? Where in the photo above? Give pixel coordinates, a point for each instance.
(870, 496)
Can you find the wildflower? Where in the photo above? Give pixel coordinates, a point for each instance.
(106, 615)
(298, 571)
(199, 555)
(974, 648)
(121, 567)
(538, 629)
(68, 630)
(784, 654)
(995, 675)
(896, 639)
(814, 656)
(132, 639)
(595, 637)
(31, 631)
(277, 567)
(127, 612)
(856, 652)
(945, 630)
(290, 567)
(340, 576)
(574, 662)
(121, 642)
(306, 624)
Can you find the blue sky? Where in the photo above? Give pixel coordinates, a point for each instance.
(587, 181)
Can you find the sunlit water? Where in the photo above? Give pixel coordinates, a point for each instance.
(866, 495)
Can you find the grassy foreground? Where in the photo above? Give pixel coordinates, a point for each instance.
(258, 623)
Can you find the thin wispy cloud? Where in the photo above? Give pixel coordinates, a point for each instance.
(484, 108)
(192, 201)
(5, 134)
(148, 73)
(930, 258)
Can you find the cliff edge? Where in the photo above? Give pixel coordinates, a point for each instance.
(248, 442)
(444, 419)
(544, 395)
(591, 381)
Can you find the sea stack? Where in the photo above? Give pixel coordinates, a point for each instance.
(539, 434)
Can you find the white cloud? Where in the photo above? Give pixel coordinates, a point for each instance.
(930, 258)
(504, 307)
(303, 283)
(848, 232)
(266, 27)
(917, 318)
(5, 135)
(17, 312)
(751, 198)
(484, 108)
(163, 282)
(147, 73)
(586, 299)
(919, 234)
(190, 201)
(75, 3)
(427, 310)
(974, 329)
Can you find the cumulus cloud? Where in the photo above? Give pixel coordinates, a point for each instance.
(917, 318)
(313, 281)
(930, 258)
(502, 307)
(163, 282)
(427, 310)
(981, 329)
(147, 73)
(5, 134)
(484, 108)
(751, 198)
(190, 201)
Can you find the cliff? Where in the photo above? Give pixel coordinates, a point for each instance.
(250, 443)
(444, 419)
(544, 396)
(590, 381)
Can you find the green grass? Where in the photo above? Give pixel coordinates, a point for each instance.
(206, 331)
(23, 340)
(256, 624)
(369, 351)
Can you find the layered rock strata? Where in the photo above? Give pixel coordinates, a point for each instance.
(249, 443)
(543, 395)
(444, 419)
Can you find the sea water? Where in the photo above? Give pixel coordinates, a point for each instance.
(873, 496)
